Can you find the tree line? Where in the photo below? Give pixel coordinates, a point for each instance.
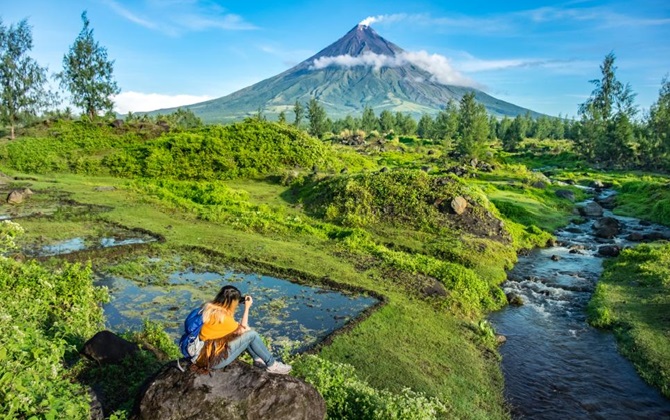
(609, 131)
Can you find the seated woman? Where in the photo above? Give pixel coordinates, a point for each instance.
(225, 339)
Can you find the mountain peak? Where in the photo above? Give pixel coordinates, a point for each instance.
(361, 39)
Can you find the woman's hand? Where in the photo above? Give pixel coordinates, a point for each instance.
(248, 302)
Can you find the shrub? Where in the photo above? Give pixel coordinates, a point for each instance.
(45, 315)
(348, 397)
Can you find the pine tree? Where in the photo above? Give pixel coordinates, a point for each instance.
(425, 127)
(611, 103)
(22, 80)
(369, 121)
(299, 112)
(282, 117)
(473, 128)
(386, 122)
(87, 73)
(659, 128)
(317, 119)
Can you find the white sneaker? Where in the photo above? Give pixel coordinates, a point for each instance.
(259, 363)
(279, 368)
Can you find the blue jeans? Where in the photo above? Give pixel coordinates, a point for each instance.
(251, 342)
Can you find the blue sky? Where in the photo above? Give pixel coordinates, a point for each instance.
(536, 54)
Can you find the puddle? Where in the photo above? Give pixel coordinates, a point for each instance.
(80, 244)
(292, 316)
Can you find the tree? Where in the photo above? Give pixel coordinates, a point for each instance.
(514, 134)
(611, 103)
(659, 126)
(425, 127)
(282, 117)
(473, 127)
(405, 124)
(317, 118)
(87, 73)
(369, 120)
(446, 123)
(386, 121)
(299, 112)
(22, 80)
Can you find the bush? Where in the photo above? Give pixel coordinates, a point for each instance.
(247, 149)
(348, 397)
(45, 315)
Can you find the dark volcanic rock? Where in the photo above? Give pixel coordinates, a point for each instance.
(592, 209)
(514, 299)
(567, 194)
(107, 347)
(654, 236)
(607, 227)
(239, 391)
(607, 202)
(635, 237)
(609, 250)
(434, 288)
(555, 258)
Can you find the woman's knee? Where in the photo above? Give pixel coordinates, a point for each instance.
(251, 334)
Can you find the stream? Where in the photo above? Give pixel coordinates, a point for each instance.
(555, 365)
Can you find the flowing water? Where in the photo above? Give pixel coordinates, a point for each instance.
(555, 365)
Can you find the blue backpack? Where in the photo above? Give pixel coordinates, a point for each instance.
(192, 327)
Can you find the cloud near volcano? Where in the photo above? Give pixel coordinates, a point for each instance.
(438, 66)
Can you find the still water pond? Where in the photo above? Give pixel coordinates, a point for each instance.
(293, 316)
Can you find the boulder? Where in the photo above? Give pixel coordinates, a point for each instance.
(592, 209)
(555, 257)
(434, 289)
(240, 391)
(644, 223)
(514, 299)
(567, 194)
(539, 184)
(107, 347)
(607, 202)
(607, 227)
(573, 229)
(609, 250)
(635, 237)
(459, 204)
(654, 236)
(105, 188)
(500, 339)
(597, 185)
(18, 196)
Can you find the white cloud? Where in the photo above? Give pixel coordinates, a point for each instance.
(383, 18)
(174, 17)
(437, 65)
(143, 102)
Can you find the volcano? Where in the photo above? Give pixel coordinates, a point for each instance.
(360, 69)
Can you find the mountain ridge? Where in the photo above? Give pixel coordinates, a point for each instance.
(344, 87)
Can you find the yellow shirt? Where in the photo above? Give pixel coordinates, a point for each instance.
(211, 331)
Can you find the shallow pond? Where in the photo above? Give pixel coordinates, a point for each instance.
(556, 366)
(81, 244)
(293, 316)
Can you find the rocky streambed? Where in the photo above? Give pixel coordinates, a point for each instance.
(555, 364)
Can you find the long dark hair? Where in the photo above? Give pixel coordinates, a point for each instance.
(224, 304)
(227, 295)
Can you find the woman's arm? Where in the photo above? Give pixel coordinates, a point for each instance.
(245, 317)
